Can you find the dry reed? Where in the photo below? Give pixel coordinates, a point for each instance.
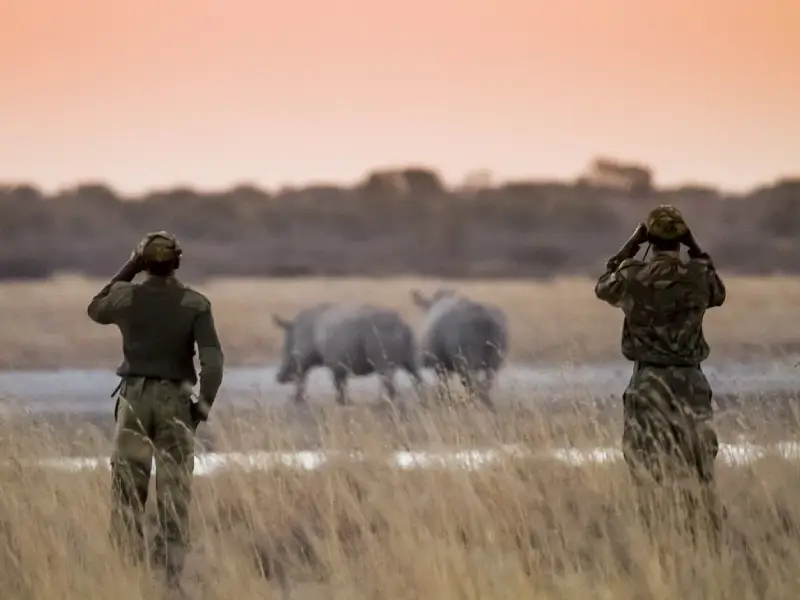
(524, 528)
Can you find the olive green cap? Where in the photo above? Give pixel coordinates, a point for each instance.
(665, 222)
(160, 246)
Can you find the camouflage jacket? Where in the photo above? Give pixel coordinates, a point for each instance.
(664, 301)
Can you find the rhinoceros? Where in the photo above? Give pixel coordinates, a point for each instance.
(354, 340)
(462, 336)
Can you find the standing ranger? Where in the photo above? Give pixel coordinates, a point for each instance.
(156, 413)
(668, 438)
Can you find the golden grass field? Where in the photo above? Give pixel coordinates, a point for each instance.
(524, 528)
(44, 324)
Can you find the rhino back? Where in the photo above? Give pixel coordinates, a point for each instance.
(388, 339)
(361, 338)
(475, 333)
(437, 320)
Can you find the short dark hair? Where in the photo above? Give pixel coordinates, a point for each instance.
(162, 268)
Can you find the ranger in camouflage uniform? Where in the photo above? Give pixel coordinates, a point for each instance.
(668, 435)
(161, 320)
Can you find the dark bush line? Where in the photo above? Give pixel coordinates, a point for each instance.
(393, 223)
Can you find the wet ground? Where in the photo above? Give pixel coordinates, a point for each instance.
(88, 391)
(73, 397)
(209, 463)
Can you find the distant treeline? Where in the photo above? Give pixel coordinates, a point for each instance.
(395, 222)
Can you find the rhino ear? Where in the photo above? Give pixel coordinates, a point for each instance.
(419, 299)
(281, 322)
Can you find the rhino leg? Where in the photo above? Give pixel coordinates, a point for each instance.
(443, 384)
(300, 391)
(387, 383)
(485, 389)
(470, 383)
(477, 384)
(340, 383)
(416, 381)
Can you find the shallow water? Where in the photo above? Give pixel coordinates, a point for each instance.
(88, 391)
(210, 463)
(66, 391)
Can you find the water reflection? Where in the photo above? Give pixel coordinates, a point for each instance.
(212, 462)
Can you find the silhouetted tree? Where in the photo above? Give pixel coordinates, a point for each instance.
(394, 221)
(636, 180)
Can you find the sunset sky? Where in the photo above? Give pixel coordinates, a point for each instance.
(210, 93)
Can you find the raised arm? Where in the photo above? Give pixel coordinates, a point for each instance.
(612, 285)
(108, 304)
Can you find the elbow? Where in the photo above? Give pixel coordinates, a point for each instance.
(608, 297)
(212, 362)
(601, 293)
(605, 286)
(720, 294)
(218, 364)
(598, 290)
(95, 315)
(212, 372)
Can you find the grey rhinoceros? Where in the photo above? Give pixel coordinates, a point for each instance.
(354, 340)
(460, 335)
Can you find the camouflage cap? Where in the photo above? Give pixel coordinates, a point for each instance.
(159, 246)
(665, 222)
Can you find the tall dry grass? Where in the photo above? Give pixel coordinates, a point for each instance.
(42, 323)
(523, 528)
(520, 529)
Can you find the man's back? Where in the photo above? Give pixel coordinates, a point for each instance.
(160, 321)
(664, 301)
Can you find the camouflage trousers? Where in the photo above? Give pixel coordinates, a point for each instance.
(670, 446)
(153, 420)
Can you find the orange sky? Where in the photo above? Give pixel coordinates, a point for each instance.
(145, 93)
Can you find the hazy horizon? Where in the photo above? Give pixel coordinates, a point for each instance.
(144, 95)
(450, 182)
